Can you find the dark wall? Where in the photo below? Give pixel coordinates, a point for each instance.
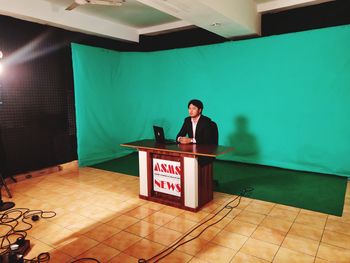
(187, 38)
(328, 14)
(37, 115)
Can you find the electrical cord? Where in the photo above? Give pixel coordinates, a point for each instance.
(245, 192)
(11, 219)
(41, 258)
(85, 259)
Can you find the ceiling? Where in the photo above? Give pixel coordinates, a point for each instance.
(227, 18)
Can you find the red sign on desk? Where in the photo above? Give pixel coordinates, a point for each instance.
(166, 176)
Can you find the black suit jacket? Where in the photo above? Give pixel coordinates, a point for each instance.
(206, 130)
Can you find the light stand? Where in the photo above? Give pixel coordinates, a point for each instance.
(5, 205)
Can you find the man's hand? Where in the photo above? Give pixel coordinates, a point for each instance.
(185, 140)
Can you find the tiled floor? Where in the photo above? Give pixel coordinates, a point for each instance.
(100, 215)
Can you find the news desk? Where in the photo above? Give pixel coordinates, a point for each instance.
(179, 175)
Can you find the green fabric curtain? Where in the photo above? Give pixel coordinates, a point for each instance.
(282, 101)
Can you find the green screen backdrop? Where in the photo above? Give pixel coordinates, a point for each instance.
(282, 101)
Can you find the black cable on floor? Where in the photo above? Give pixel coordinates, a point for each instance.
(85, 259)
(11, 219)
(245, 192)
(41, 258)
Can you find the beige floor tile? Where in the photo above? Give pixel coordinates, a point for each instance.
(99, 214)
(144, 249)
(230, 240)
(315, 221)
(122, 222)
(176, 257)
(41, 230)
(217, 221)
(250, 217)
(100, 252)
(192, 247)
(68, 219)
(259, 249)
(241, 227)
(319, 260)
(222, 198)
(57, 256)
(172, 210)
(180, 225)
(123, 258)
(205, 232)
(336, 239)
(102, 232)
(285, 255)
(259, 208)
(153, 206)
(210, 207)
(122, 208)
(286, 207)
(164, 236)
(58, 211)
(244, 258)
(262, 202)
(60, 238)
(345, 218)
(301, 244)
(276, 223)
(37, 247)
(78, 246)
(283, 214)
(69, 194)
(313, 213)
(140, 212)
(269, 235)
(338, 227)
(159, 218)
(333, 254)
(306, 231)
(136, 201)
(214, 253)
(197, 260)
(142, 228)
(122, 240)
(244, 202)
(195, 217)
(225, 208)
(84, 225)
(232, 214)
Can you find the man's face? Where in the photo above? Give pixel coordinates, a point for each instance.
(193, 111)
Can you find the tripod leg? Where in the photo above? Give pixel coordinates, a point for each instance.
(5, 205)
(5, 185)
(13, 179)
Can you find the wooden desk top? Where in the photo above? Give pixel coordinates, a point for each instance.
(195, 149)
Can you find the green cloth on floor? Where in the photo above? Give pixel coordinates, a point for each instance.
(313, 191)
(128, 164)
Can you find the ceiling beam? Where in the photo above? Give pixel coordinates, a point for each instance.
(279, 5)
(164, 27)
(44, 12)
(226, 18)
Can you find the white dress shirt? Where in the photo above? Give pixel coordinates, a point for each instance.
(194, 127)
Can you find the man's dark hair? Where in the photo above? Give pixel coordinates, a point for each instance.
(196, 103)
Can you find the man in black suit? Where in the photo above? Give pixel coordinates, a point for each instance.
(198, 128)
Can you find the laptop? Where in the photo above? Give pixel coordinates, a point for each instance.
(159, 136)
